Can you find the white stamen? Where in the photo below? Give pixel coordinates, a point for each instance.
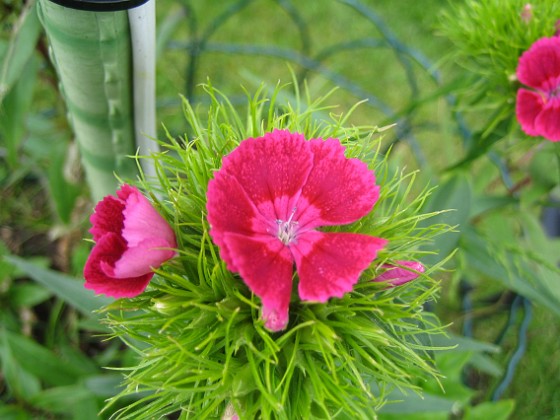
(287, 231)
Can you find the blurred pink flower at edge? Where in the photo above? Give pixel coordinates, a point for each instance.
(538, 108)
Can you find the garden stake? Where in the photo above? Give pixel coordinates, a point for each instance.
(105, 62)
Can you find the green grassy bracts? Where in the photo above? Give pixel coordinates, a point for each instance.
(197, 330)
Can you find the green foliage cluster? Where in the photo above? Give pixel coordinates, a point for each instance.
(197, 330)
(488, 37)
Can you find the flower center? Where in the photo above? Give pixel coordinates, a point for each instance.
(287, 231)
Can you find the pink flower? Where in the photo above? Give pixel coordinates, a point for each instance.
(401, 273)
(265, 204)
(131, 239)
(538, 110)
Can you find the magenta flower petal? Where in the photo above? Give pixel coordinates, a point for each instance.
(107, 251)
(402, 273)
(329, 264)
(539, 66)
(538, 111)
(547, 122)
(141, 220)
(142, 258)
(272, 170)
(108, 217)
(230, 210)
(528, 106)
(266, 266)
(132, 239)
(263, 206)
(338, 191)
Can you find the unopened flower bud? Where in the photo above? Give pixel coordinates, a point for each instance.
(403, 272)
(527, 13)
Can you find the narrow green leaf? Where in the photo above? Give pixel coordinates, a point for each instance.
(498, 410)
(14, 110)
(484, 203)
(514, 270)
(51, 369)
(107, 385)
(486, 364)
(13, 412)
(21, 384)
(464, 344)
(20, 48)
(454, 195)
(62, 192)
(499, 127)
(69, 289)
(74, 400)
(544, 166)
(167, 27)
(27, 294)
(414, 403)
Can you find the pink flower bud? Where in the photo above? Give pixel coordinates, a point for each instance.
(401, 273)
(527, 13)
(131, 239)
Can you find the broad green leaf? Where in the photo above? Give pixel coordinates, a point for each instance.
(21, 384)
(52, 369)
(435, 403)
(413, 403)
(544, 167)
(6, 269)
(453, 195)
(69, 289)
(498, 410)
(74, 400)
(482, 141)
(14, 110)
(415, 416)
(539, 242)
(79, 362)
(20, 48)
(107, 385)
(486, 364)
(464, 344)
(484, 203)
(13, 412)
(451, 364)
(167, 27)
(515, 270)
(62, 192)
(27, 294)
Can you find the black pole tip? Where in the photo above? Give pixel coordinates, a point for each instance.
(100, 5)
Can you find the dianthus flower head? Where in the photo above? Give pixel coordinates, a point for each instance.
(131, 240)
(265, 205)
(538, 108)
